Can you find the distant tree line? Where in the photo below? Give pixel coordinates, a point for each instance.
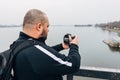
(9, 26)
(110, 25)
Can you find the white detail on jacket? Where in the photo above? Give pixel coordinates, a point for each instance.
(53, 56)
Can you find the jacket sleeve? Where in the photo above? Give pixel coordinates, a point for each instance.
(67, 64)
(58, 47)
(56, 63)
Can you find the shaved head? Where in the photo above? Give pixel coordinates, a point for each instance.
(34, 16)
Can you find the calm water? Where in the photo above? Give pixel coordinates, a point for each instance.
(92, 49)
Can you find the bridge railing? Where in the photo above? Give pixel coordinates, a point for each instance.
(96, 72)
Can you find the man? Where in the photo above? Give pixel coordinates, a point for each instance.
(41, 62)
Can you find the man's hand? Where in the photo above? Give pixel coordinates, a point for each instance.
(74, 41)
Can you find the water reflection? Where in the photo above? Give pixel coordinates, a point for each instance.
(114, 49)
(118, 34)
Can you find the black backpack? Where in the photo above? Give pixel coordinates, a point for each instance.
(7, 58)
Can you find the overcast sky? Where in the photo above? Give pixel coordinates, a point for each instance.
(62, 11)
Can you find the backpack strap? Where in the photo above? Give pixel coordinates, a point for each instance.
(15, 50)
(24, 45)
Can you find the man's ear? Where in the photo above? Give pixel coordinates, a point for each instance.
(39, 26)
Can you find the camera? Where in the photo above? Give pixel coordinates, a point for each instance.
(66, 39)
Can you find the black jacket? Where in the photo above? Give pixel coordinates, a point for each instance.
(41, 62)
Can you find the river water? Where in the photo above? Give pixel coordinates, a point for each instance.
(94, 52)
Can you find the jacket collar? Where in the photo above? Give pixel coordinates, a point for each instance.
(23, 36)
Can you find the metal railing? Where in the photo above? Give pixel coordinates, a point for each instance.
(96, 72)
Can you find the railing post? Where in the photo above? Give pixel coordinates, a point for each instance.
(70, 77)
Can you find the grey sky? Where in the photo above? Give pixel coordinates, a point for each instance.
(62, 11)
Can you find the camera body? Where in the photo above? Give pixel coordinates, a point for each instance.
(66, 39)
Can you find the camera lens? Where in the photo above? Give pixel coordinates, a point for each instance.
(66, 38)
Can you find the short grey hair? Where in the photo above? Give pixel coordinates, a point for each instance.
(33, 16)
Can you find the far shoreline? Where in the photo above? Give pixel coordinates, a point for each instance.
(112, 30)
